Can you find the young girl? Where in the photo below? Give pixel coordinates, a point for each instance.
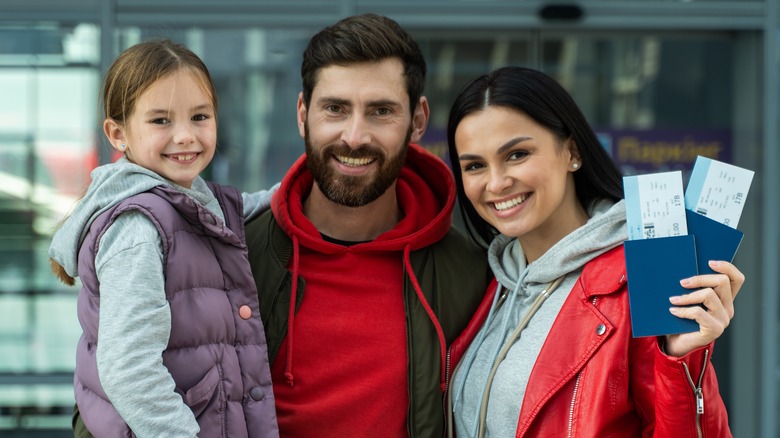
(173, 344)
(554, 354)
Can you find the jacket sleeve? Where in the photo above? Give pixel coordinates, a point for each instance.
(677, 396)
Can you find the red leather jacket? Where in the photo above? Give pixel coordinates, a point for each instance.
(593, 379)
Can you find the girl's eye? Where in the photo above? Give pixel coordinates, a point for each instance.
(160, 121)
(200, 117)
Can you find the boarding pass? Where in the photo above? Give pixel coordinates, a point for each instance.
(654, 205)
(718, 190)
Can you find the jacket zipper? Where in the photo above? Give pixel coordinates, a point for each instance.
(574, 395)
(697, 392)
(444, 400)
(571, 406)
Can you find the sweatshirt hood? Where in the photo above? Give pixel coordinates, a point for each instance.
(605, 230)
(425, 191)
(111, 184)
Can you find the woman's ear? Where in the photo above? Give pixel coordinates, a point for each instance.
(115, 133)
(575, 162)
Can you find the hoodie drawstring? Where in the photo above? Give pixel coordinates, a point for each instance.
(431, 315)
(288, 375)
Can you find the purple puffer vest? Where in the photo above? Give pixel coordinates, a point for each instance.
(217, 358)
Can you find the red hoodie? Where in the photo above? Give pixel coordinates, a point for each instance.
(342, 369)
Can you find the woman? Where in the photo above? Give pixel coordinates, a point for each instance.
(554, 356)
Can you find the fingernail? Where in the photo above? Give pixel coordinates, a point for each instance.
(714, 263)
(674, 310)
(674, 299)
(685, 281)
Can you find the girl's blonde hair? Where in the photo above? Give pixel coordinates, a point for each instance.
(140, 66)
(132, 73)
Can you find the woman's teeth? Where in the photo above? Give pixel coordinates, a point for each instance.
(510, 203)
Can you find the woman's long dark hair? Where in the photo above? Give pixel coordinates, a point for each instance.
(544, 100)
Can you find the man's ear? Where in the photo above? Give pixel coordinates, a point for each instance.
(302, 112)
(115, 133)
(420, 119)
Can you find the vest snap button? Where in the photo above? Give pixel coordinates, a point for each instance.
(257, 393)
(601, 329)
(245, 312)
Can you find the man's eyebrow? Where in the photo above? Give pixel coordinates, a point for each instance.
(333, 101)
(383, 102)
(330, 100)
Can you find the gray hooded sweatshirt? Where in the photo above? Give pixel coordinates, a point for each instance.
(605, 230)
(135, 319)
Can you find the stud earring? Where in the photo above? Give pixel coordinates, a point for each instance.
(122, 147)
(573, 166)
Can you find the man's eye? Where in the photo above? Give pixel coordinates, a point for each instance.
(333, 108)
(383, 111)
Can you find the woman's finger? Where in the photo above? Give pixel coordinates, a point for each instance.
(713, 305)
(736, 277)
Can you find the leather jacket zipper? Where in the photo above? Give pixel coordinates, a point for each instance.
(697, 392)
(571, 406)
(570, 428)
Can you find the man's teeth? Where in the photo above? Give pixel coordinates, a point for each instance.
(354, 162)
(510, 203)
(183, 157)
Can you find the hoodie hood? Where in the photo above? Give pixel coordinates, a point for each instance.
(528, 286)
(426, 194)
(605, 230)
(425, 191)
(111, 184)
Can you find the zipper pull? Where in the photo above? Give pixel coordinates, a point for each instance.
(699, 401)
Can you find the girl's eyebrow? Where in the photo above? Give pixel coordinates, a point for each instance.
(499, 151)
(151, 112)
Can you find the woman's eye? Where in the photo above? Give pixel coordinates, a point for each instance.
(470, 167)
(518, 155)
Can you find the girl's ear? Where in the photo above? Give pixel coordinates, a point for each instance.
(115, 133)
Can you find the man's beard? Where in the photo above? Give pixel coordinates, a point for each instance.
(351, 190)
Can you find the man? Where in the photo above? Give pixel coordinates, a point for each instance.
(359, 238)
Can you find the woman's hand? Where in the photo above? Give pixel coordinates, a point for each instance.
(716, 292)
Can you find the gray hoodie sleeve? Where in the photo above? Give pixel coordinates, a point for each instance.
(135, 325)
(257, 202)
